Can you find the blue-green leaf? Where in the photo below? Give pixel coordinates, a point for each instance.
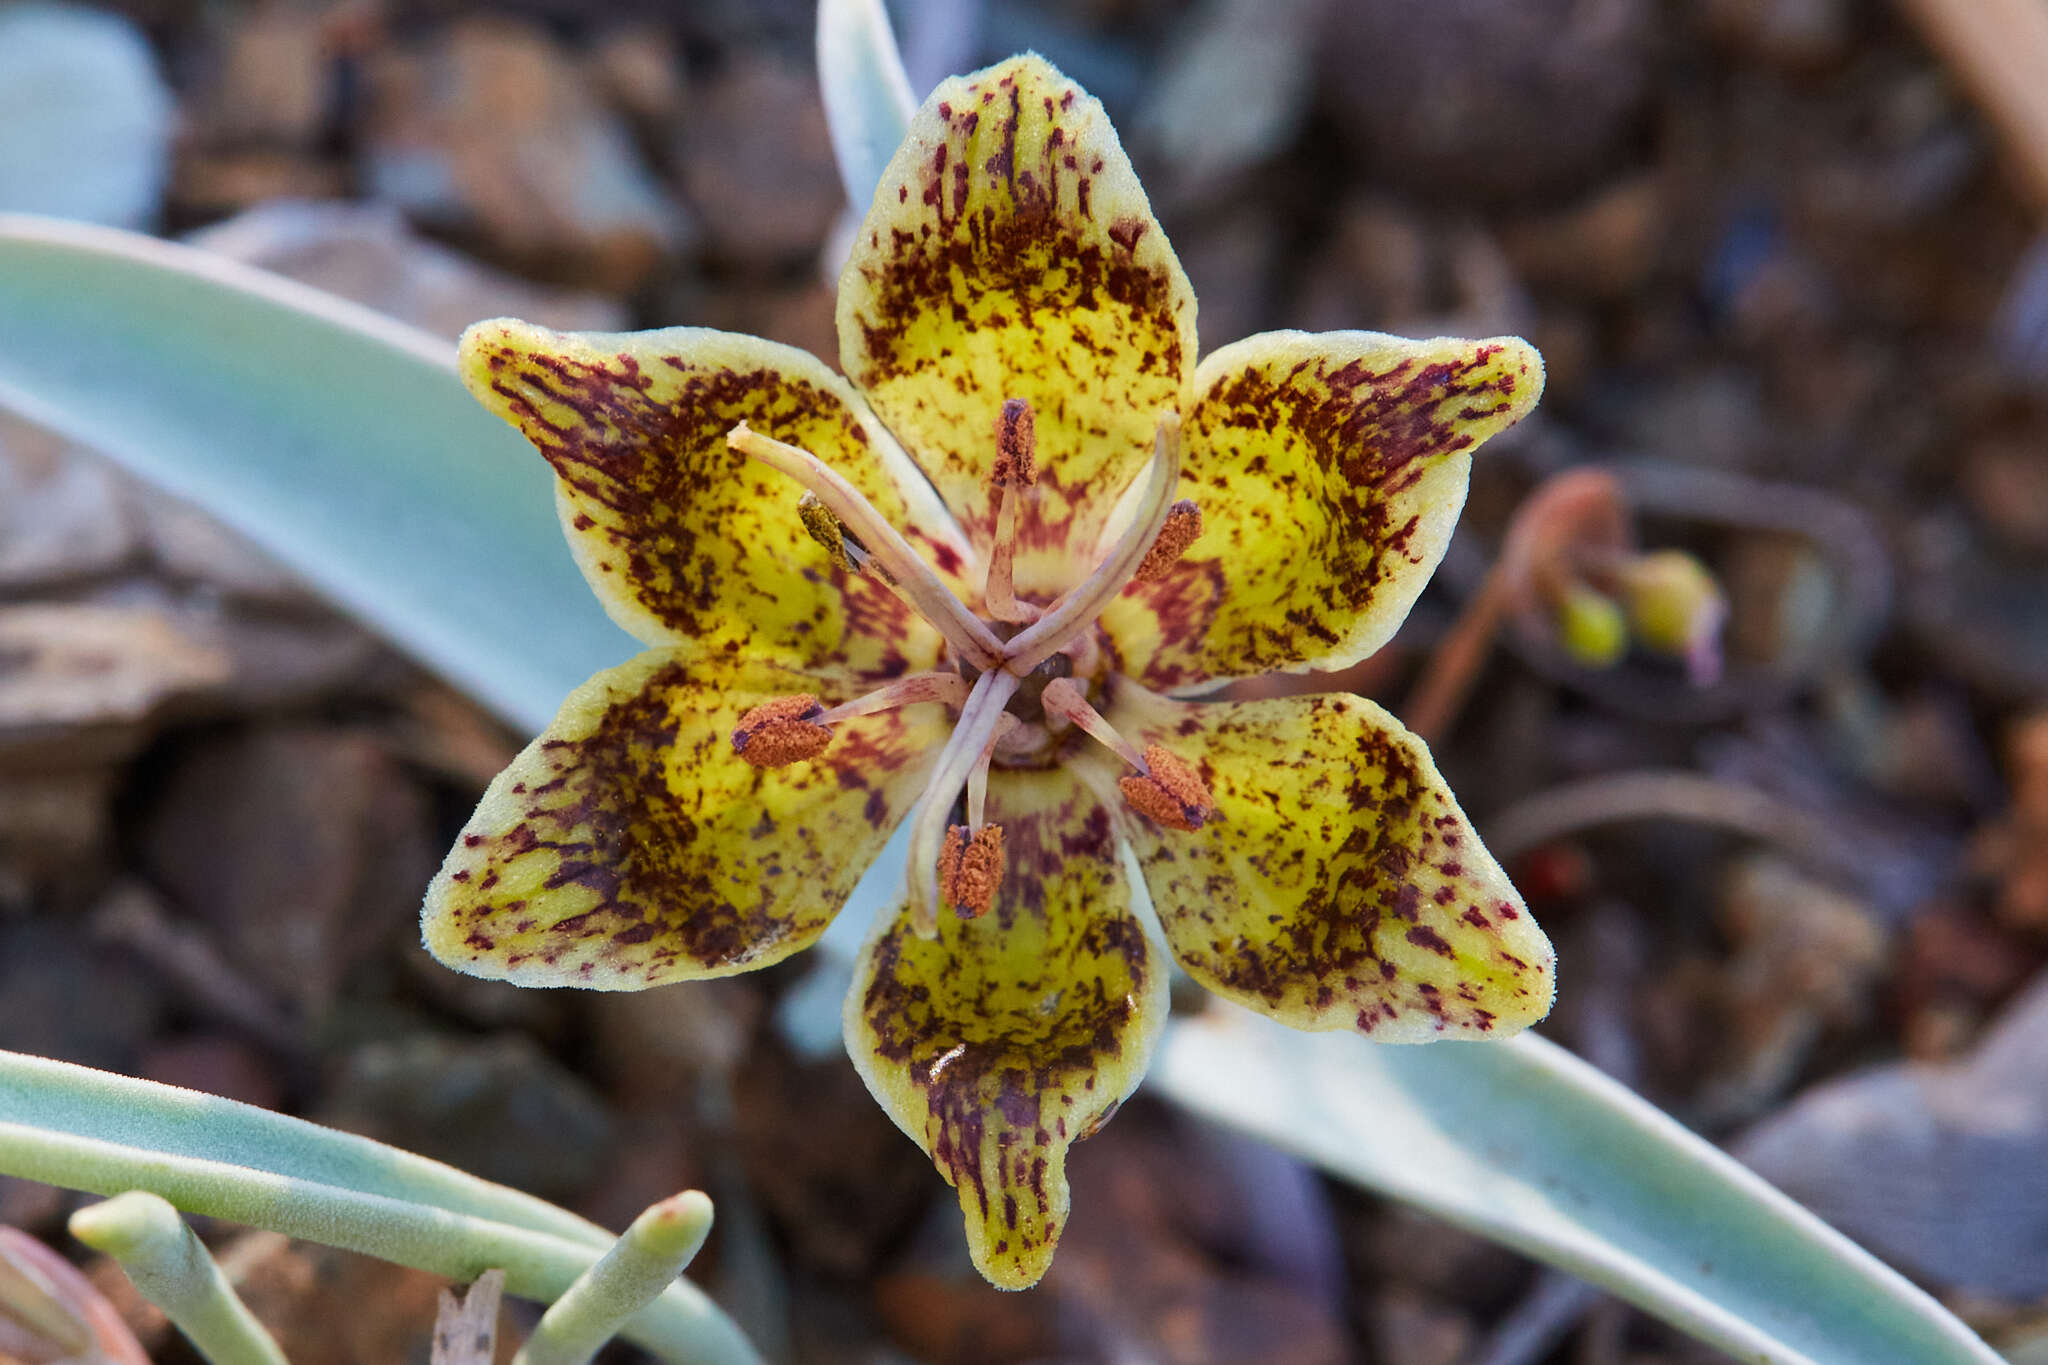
(868, 100)
(335, 437)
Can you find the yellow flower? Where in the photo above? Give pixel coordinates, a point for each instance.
(995, 629)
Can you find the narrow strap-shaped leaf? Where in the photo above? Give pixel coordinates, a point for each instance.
(333, 436)
(868, 100)
(1523, 1142)
(166, 1261)
(680, 1325)
(61, 1098)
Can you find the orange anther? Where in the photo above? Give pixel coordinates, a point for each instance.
(1183, 526)
(781, 731)
(1016, 445)
(1169, 791)
(970, 869)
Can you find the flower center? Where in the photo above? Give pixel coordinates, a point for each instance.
(1021, 681)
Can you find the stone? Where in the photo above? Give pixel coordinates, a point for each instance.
(85, 116)
(303, 850)
(65, 515)
(1934, 1167)
(77, 1001)
(85, 681)
(1233, 89)
(330, 1307)
(1601, 248)
(1806, 963)
(491, 131)
(496, 1107)
(367, 253)
(1473, 102)
(756, 162)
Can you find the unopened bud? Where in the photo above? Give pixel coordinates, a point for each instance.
(1591, 627)
(1676, 608)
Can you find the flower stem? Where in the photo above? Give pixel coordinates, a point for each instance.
(1077, 610)
(173, 1271)
(909, 574)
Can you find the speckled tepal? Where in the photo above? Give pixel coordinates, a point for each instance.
(976, 587)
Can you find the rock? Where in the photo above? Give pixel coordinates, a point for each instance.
(756, 162)
(1231, 92)
(63, 997)
(496, 1107)
(89, 681)
(1600, 249)
(493, 132)
(365, 252)
(1806, 961)
(266, 81)
(638, 69)
(1418, 1330)
(1231, 254)
(302, 850)
(65, 515)
(329, 1307)
(2013, 852)
(1792, 35)
(1934, 1167)
(53, 832)
(215, 1064)
(841, 1183)
(1475, 102)
(189, 545)
(85, 118)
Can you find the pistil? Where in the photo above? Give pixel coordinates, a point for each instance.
(974, 738)
(899, 564)
(1077, 611)
(1016, 468)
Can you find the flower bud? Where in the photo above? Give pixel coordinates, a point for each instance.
(1591, 627)
(1676, 608)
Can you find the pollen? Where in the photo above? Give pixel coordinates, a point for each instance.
(970, 869)
(1016, 446)
(825, 528)
(781, 731)
(1169, 791)
(1183, 527)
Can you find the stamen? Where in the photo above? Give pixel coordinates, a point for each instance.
(970, 869)
(1063, 699)
(912, 578)
(1164, 787)
(941, 684)
(1076, 611)
(783, 731)
(841, 544)
(974, 736)
(1016, 468)
(1183, 527)
(828, 530)
(1169, 791)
